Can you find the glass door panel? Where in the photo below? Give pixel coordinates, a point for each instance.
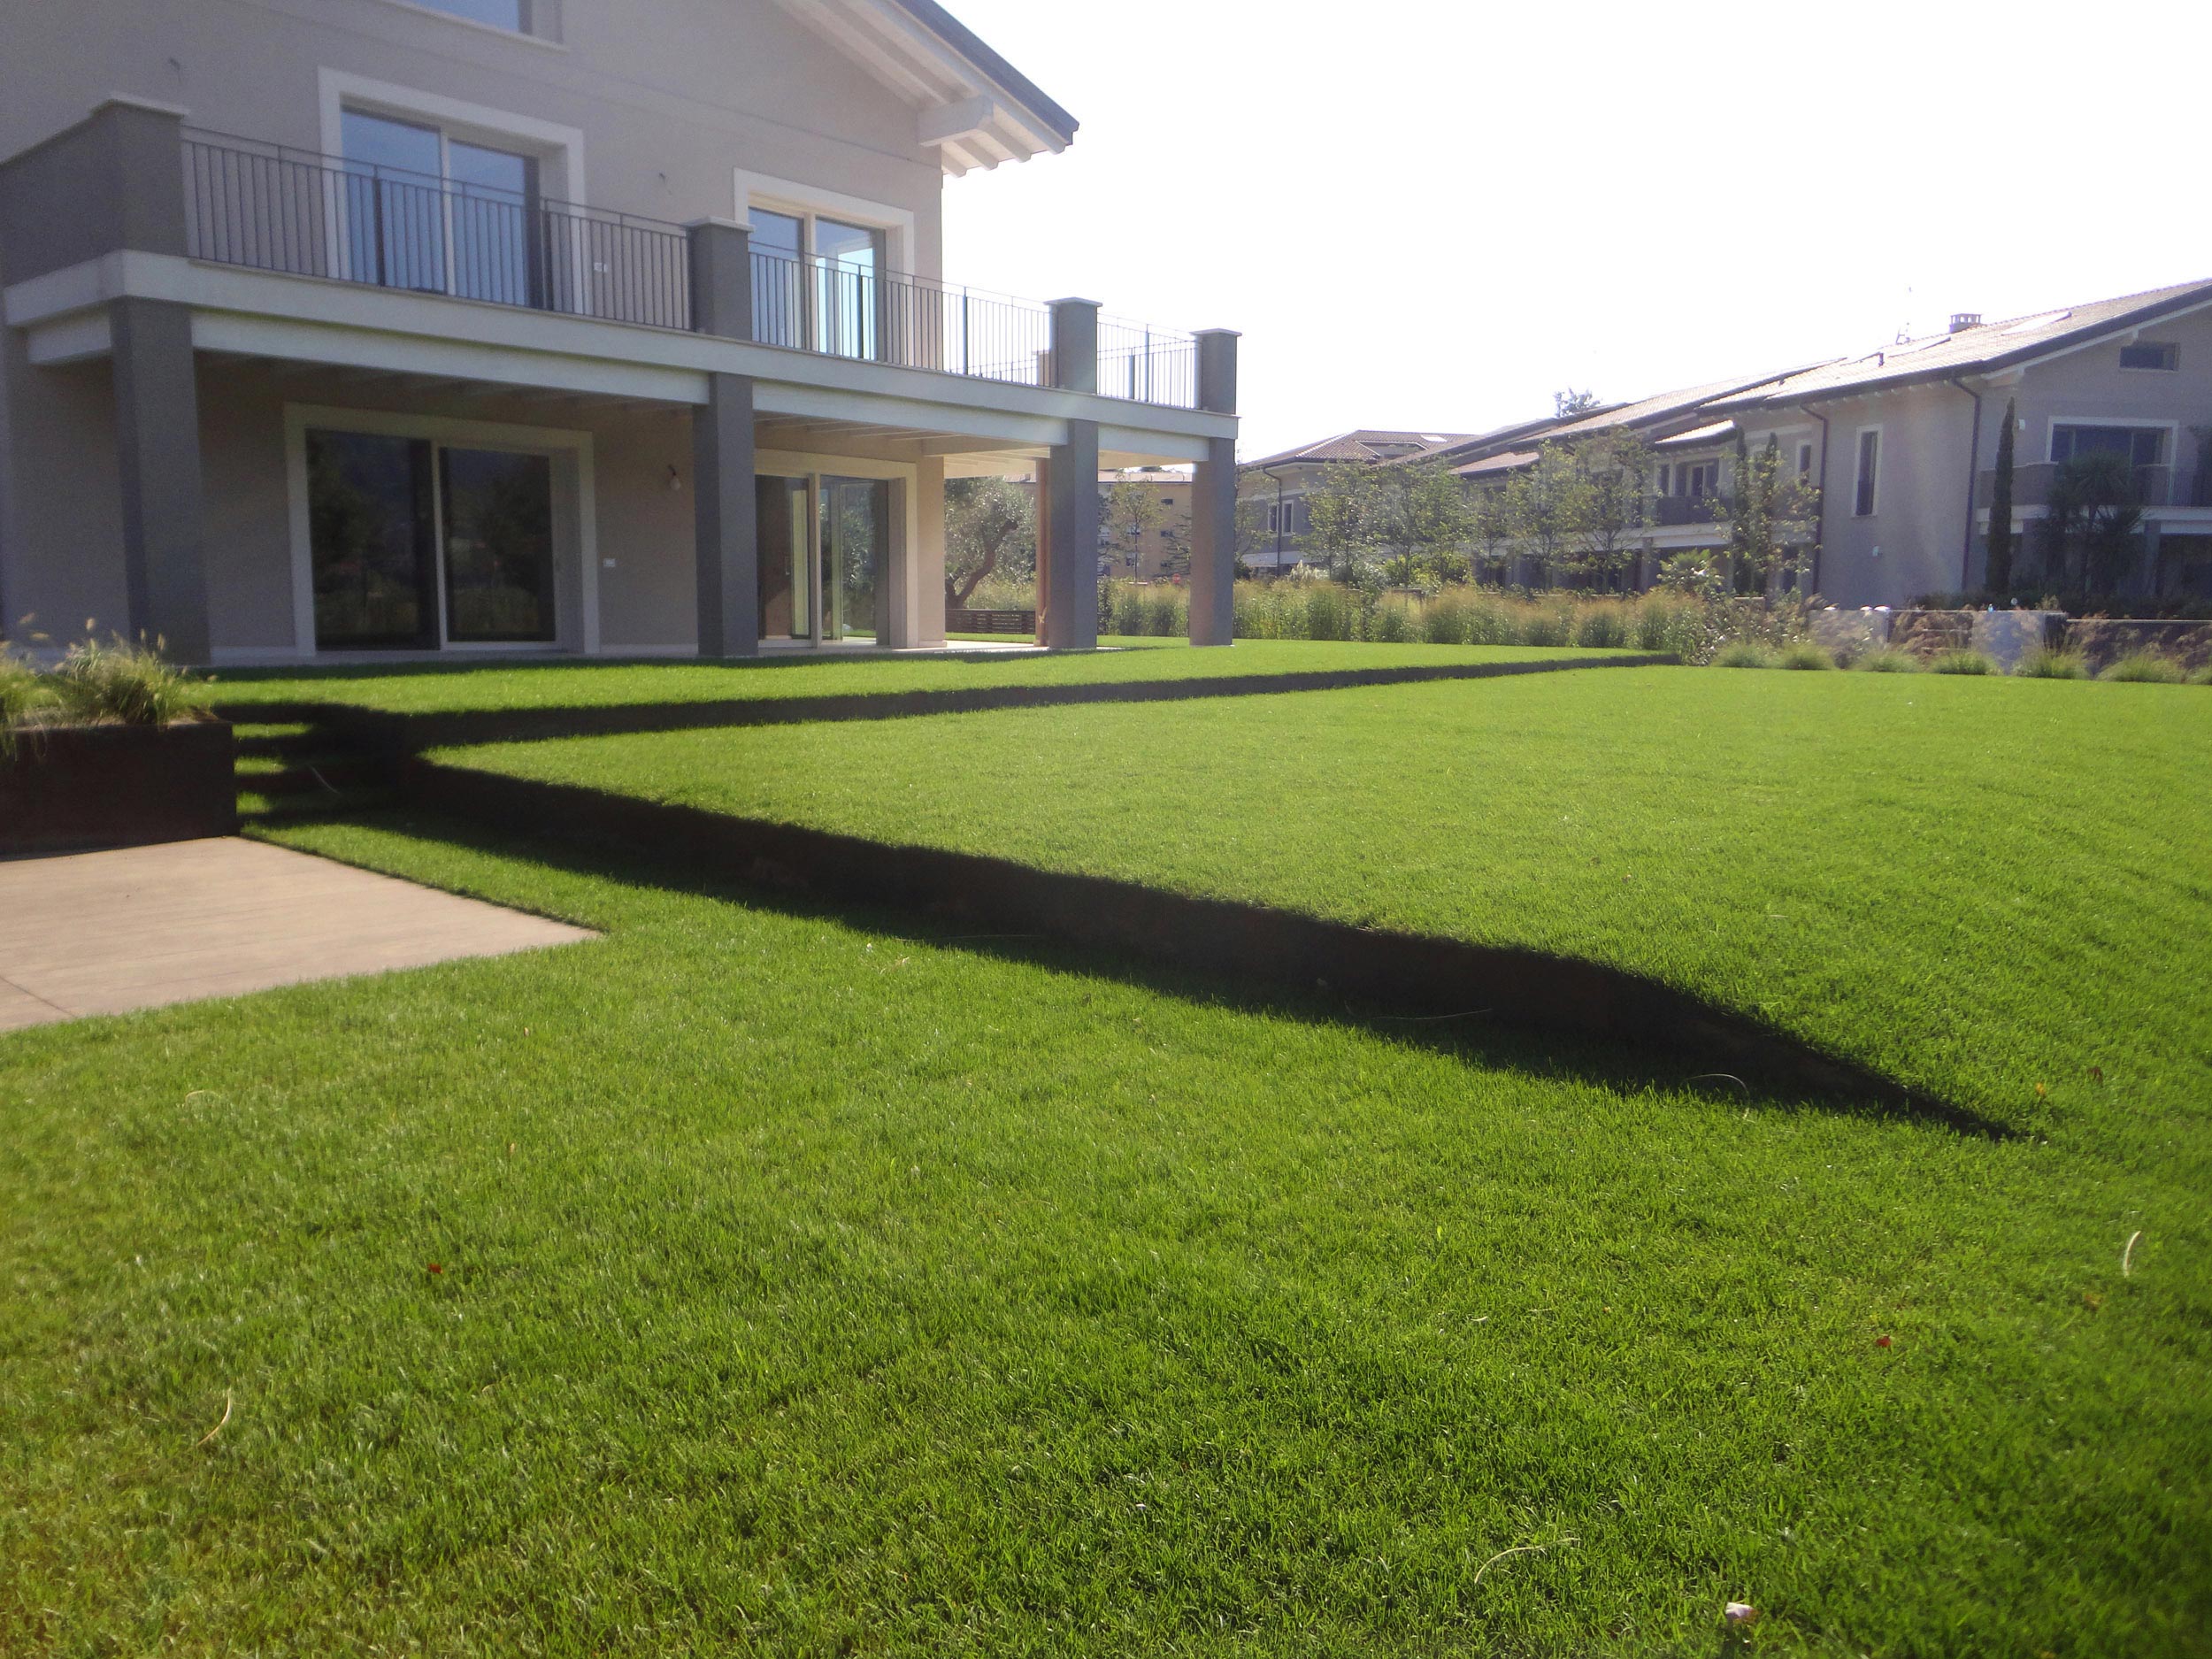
(848, 283)
(856, 544)
(498, 510)
(493, 193)
(778, 278)
(394, 203)
(372, 540)
(785, 571)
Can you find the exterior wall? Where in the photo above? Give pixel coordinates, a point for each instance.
(1915, 541)
(2090, 383)
(61, 542)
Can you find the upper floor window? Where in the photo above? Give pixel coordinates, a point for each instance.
(1804, 460)
(2146, 356)
(2144, 446)
(1698, 479)
(499, 14)
(1870, 462)
(427, 211)
(818, 283)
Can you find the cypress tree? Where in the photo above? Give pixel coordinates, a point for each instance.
(1998, 578)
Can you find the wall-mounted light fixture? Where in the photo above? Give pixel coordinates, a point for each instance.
(675, 480)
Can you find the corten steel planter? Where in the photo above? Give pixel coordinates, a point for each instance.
(69, 788)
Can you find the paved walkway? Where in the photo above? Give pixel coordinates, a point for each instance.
(103, 932)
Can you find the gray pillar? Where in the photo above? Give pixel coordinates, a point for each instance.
(723, 512)
(1070, 519)
(721, 259)
(114, 180)
(2150, 558)
(1213, 561)
(1075, 346)
(158, 458)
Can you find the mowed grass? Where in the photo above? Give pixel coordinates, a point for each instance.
(764, 1282)
(2000, 891)
(444, 689)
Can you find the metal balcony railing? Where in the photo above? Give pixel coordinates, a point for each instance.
(269, 207)
(272, 208)
(2155, 486)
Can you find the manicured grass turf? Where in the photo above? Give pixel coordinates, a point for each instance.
(440, 689)
(807, 1288)
(1978, 887)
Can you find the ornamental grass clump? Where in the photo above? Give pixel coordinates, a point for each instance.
(22, 695)
(2042, 663)
(2144, 668)
(1805, 654)
(121, 684)
(1882, 660)
(1744, 654)
(1962, 662)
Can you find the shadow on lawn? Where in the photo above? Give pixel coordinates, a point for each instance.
(1519, 1009)
(390, 736)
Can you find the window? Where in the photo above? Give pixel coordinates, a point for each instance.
(1870, 460)
(1804, 460)
(1666, 476)
(2144, 446)
(498, 14)
(816, 283)
(2146, 356)
(1700, 478)
(435, 214)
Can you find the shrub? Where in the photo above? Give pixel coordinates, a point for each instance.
(1744, 654)
(2144, 668)
(1391, 625)
(1962, 662)
(125, 684)
(21, 695)
(1603, 627)
(2048, 665)
(1549, 625)
(2202, 676)
(1805, 654)
(1882, 660)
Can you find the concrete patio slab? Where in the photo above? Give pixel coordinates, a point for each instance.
(107, 932)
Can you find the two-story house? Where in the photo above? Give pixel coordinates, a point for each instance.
(344, 327)
(1897, 448)
(1278, 484)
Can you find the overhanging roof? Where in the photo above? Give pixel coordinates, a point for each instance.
(971, 106)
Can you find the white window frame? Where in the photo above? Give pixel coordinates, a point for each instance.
(560, 150)
(2173, 346)
(1858, 465)
(808, 203)
(535, 35)
(575, 446)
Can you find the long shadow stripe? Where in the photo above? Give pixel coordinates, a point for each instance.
(394, 735)
(1417, 974)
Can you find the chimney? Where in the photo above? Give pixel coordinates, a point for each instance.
(1960, 321)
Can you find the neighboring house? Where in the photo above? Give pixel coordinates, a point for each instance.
(1901, 446)
(1275, 488)
(1155, 551)
(349, 327)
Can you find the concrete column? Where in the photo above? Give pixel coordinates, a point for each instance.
(1213, 559)
(115, 181)
(721, 258)
(724, 516)
(1068, 554)
(2150, 558)
(929, 552)
(158, 460)
(1075, 345)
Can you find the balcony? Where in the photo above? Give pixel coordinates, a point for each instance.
(2155, 486)
(1668, 512)
(270, 207)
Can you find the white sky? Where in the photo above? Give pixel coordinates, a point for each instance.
(1433, 213)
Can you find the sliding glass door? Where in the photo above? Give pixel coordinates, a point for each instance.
(438, 214)
(825, 549)
(414, 544)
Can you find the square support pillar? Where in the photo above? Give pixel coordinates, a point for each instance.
(721, 263)
(929, 550)
(1213, 545)
(1075, 345)
(1069, 564)
(724, 505)
(158, 460)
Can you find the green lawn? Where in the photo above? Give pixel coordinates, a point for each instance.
(441, 689)
(1979, 885)
(808, 1286)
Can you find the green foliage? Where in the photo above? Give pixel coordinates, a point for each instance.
(2144, 668)
(1402, 523)
(1998, 578)
(990, 532)
(1603, 628)
(1962, 662)
(2203, 676)
(1805, 654)
(23, 693)
(126, 684)
(2089, 529)
(1745, 654)
(2042, 663)
(1883, 660)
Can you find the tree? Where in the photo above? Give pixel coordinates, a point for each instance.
(1571, 402)
(1133, 511)
(1422, 520)
(990, 528)
(1998, 578)
(1754, 551)
(2095, 510)
(1544, 506)
(1614, 469)
(1489, 532)
(1338, 517)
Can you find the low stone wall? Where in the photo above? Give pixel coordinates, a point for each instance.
(2105, 640)
(2005, 635)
